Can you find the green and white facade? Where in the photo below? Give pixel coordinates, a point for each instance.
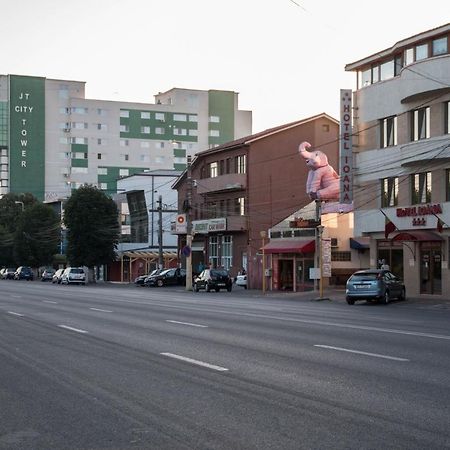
(53, 139)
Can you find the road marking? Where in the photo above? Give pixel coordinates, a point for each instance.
(49, 301)
(195, 361)
(101, 310)
(187, 323)
(15, 314)
(16, 296)
(376, 355)
(72, 329)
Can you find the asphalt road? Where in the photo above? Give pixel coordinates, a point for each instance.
(109, 367)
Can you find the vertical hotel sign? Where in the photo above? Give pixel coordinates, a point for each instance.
(27, 135)
(345, 148)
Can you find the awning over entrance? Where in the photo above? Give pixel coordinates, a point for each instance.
(360, 243)
(290, 246)
(417, 235)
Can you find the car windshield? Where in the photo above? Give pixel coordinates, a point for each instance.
(365, 276)
(165, 271)
(76, 270)
(221, 273)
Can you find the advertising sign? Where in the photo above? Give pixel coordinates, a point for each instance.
(27, 135)
(326, 257)
(180, 224)
(346, 148)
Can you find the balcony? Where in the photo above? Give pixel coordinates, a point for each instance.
(222, 183)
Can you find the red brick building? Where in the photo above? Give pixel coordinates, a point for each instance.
(246, 186)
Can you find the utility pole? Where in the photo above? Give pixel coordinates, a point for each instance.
(189, 225)
(160, 234)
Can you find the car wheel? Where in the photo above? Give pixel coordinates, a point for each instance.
(385, 299)
(350, 301)
(160, 283)
(217, 289)
(207, 287)
(402, 296)
(196, 288)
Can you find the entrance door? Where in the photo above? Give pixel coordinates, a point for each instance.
(286, 274)
(430, 271)
(302, 281)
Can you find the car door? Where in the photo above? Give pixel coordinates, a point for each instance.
(392, 284)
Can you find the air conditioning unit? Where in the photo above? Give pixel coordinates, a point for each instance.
(334, 242)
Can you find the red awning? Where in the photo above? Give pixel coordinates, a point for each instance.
(290, 246)
(417, 235)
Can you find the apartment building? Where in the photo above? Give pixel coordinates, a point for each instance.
(53, 139)
(401, 142)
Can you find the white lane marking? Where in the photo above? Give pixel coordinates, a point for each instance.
(195, 361)
(187, 323)
(49, 301)
(66, 327)
(376, 355)
(16, 296)
(15, 314)
(101, 310)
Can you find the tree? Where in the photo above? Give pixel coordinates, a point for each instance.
(37, 236)
(92, 222)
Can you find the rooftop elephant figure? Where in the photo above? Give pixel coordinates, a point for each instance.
(323, 181)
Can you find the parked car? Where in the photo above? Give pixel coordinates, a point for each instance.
(167, 277)
(73, 275)
(241, 280)
(140, 281)
(47, 275)
(374, 284)
(24, 273)
(216, 279)
(57, 276)
(7, 273)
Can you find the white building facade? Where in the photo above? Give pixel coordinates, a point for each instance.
(401, 142)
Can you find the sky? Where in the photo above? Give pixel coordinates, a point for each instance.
(285, 58)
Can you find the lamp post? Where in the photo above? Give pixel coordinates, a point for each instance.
(263, 235)
(188, 225)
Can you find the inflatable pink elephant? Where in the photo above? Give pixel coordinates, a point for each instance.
(323, 181)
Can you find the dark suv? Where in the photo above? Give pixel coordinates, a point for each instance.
(213, 279)
(24, 273)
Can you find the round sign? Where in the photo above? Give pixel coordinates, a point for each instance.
(186, 250)
(180, 219)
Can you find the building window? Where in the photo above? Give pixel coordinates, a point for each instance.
(447, 185)
(159, 116)
(101, 112)
(144, 158)
(145, 144)
(101, 141)
(193, 132)
(388, 132)
(159, 130)
(123, 172)
(145, 115)
(180, 117)
(387, 70)
(159, 145)
(99, 156)
(102, 127)
(409, 56)
(440, 46)
(447, 117)
(421, 52)
(124, 142)
(102, 171)
(180, 132)
(366, 78)
(124, 113)
(420, 124)
(213, 251)
(124, 129)
(214, 133)
(126, 157)
(389, 192)
(227, 252)
(78, 110)
(241, 164)
(375, 73)
(341, 256)
(160, 159)
(78, 140)
(240, 206)
(145, 130)
(213, 170)
(79, 170)
(193, 118)
(103, 186)
(214, 119)
(421, 188)
(79, 125)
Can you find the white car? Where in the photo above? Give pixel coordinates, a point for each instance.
(241, 280)
(73, 275)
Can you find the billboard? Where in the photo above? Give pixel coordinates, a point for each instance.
(346, 148)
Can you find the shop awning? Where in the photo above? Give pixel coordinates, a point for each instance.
(417, 235)
(290, 246)
(198, 246)
(360, 243)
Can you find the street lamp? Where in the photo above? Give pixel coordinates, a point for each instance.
(263, 235)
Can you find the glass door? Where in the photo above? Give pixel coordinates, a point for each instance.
(430, 271)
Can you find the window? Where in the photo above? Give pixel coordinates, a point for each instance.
(160, 159)
(159, 145)
(64, 140)
(193, 118)
(389, 192)
(227, 252)
(375, 73)
(398, 65)
(213, 251)
(439, 46)
(214, 119)
(240, 161)
(159, 130)
(388, 132)
(159, 116)
(193, 132)
(79, 155)
(99, 156)
(124, 129)
(420, 124)
(79, 170)
(447, 185)
(145, 115)
(102, 171)
(144, 158)
(102, 127)
(341, 256)
(124, 172)
(145, 130)
(103, 186)
(213, 169)
(409, 56)
(180, 117)
(79, 125)
(240, 206)
(387, 70)
(421, 52)
(421, 188)
(124, 113)
(447, 117)
(180, 132)
(64, 110)
(366, 77)
(126, 157)
(101, 141)
(101, 112)
(124, 142)
(214, 133)
(78, 110)
(145, 144)
(78, 140)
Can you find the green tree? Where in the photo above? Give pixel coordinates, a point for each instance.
(37, 236)
(92, 222)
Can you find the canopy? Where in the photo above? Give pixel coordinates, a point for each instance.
(417, 235)
(290, 246)
(360, 243)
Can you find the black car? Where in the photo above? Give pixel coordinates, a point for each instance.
(47, 274)
(213, 279)
(24, 273)
(140, 280)
(8, 273)
(167, 277)
(377, 284)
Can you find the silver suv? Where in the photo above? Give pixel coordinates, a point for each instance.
(73, 275)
